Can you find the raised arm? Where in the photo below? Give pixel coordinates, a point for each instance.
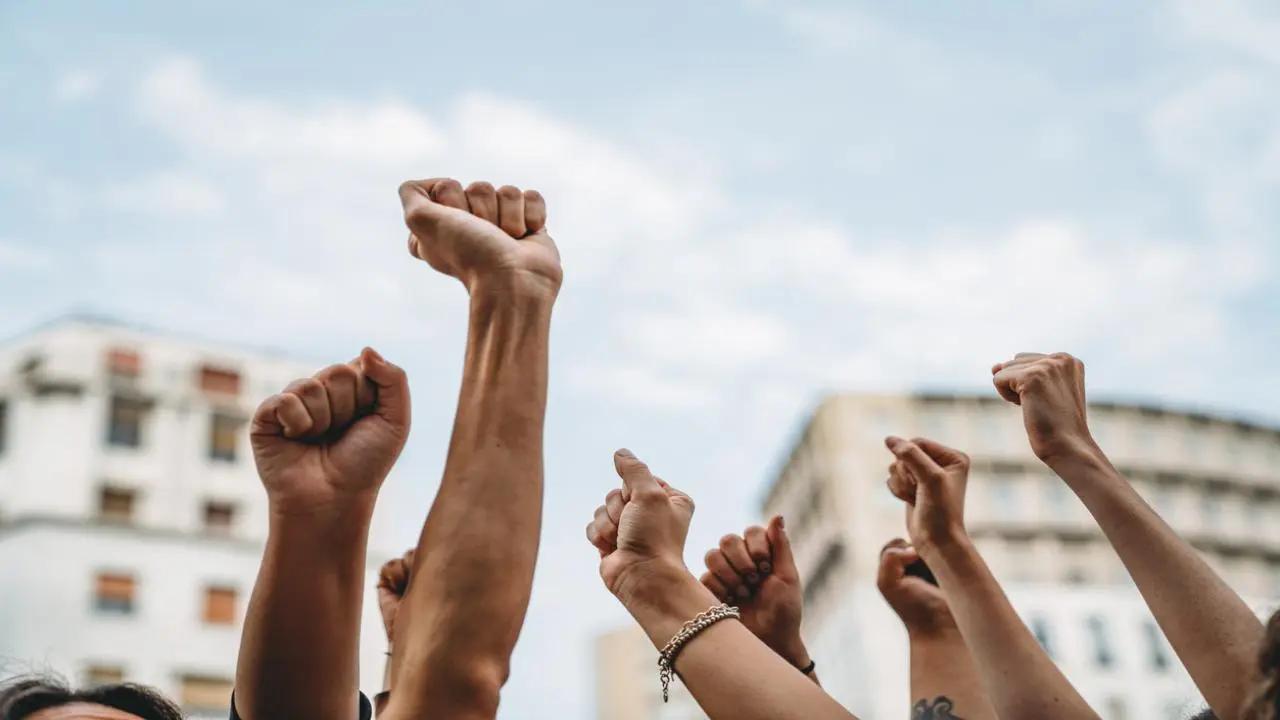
(1212, 630)
(640, 533)
(1021, 681)
(470, 582)
(945, 684)
(323, 448)
(757, 572)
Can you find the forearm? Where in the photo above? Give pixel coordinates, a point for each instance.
(943, 671)
(1210, 627)
(728, 670)
(483, 529)
(299, 651)
(1019, 678)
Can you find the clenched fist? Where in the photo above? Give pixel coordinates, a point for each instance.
(640, 530)
(756, 572)
(333, 436)
(931, 478)
(1050, 389)
(918, 603)
(482, 234)
(393, 582)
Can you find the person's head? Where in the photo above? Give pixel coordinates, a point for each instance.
(46, 698)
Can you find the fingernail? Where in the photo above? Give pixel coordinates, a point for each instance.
(373, 354)
(766, 568)
(782, 523)
(892, 440)
(623, 452)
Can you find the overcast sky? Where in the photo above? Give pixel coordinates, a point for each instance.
(758, 203)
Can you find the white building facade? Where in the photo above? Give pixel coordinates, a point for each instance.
(131, 517)
(1214, 479)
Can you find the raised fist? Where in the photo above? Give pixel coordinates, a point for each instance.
(480, 233)
(919, 603)
(640, 530)
(393, 581)
(756, 572)
(1050, 389)
(931, 479)
(331, 437)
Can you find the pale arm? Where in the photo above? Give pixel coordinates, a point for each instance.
(1019, 678)
(729, 671)
(943, 673)
(1210, 627)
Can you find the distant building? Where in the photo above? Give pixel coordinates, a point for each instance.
(1214, 479)
(132, 520)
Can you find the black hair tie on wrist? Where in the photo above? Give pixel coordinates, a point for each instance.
(808, 669)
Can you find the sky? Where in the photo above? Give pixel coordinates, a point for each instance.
(758, 203)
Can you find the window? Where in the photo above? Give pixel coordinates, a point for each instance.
(205, 695)
(822, 574)
(224, 435)
(1102, 655)
(219, 517)
(125, 424)
(219, 605)
(115, 504)
(4, 414)
(1040, 628)
(1155, 646)
(1004, 493)
(113, 594)
(122, 362)
(98, 675)
(219, 381)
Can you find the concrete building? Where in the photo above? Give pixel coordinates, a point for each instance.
(1214, 479)
(131, 517)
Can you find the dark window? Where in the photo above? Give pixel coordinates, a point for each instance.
(224, 437)
(219, 517)
(125, 423)
(1040, 628)
(826, 567)
(113, 594)
(1102, 654)
(115, 504)
(219, 381)
(1155, 646)
(219, 605)
(4, 416)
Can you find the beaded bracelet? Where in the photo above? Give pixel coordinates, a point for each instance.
(700, 622)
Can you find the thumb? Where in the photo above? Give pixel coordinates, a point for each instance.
(784, 562)
(392, 387)
(637, 480)
(421, 213)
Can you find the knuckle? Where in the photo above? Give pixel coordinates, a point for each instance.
(711, 557)
(480, 187)
(448, 185)
(729, 541)
(510, 192)
(532, 195)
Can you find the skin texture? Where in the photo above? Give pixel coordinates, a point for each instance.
(456, 626)
(756, 572)
(944, 680)
(1215, 634)
(1019, 678)
(323, 448)
(731, 673)
(83, 711)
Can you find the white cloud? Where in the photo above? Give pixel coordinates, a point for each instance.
(77, 85)
(166, 193)
(15, 256)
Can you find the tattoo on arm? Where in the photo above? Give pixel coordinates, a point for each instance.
(939, 709)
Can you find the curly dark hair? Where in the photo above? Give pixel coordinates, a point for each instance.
(1266, 704)
(23, 696)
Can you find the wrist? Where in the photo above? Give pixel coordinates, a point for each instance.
(339, 514)
(663, 599)
(512, 285)
(794, 652)
(938, 549)
(944, 630)
(1073, 449)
